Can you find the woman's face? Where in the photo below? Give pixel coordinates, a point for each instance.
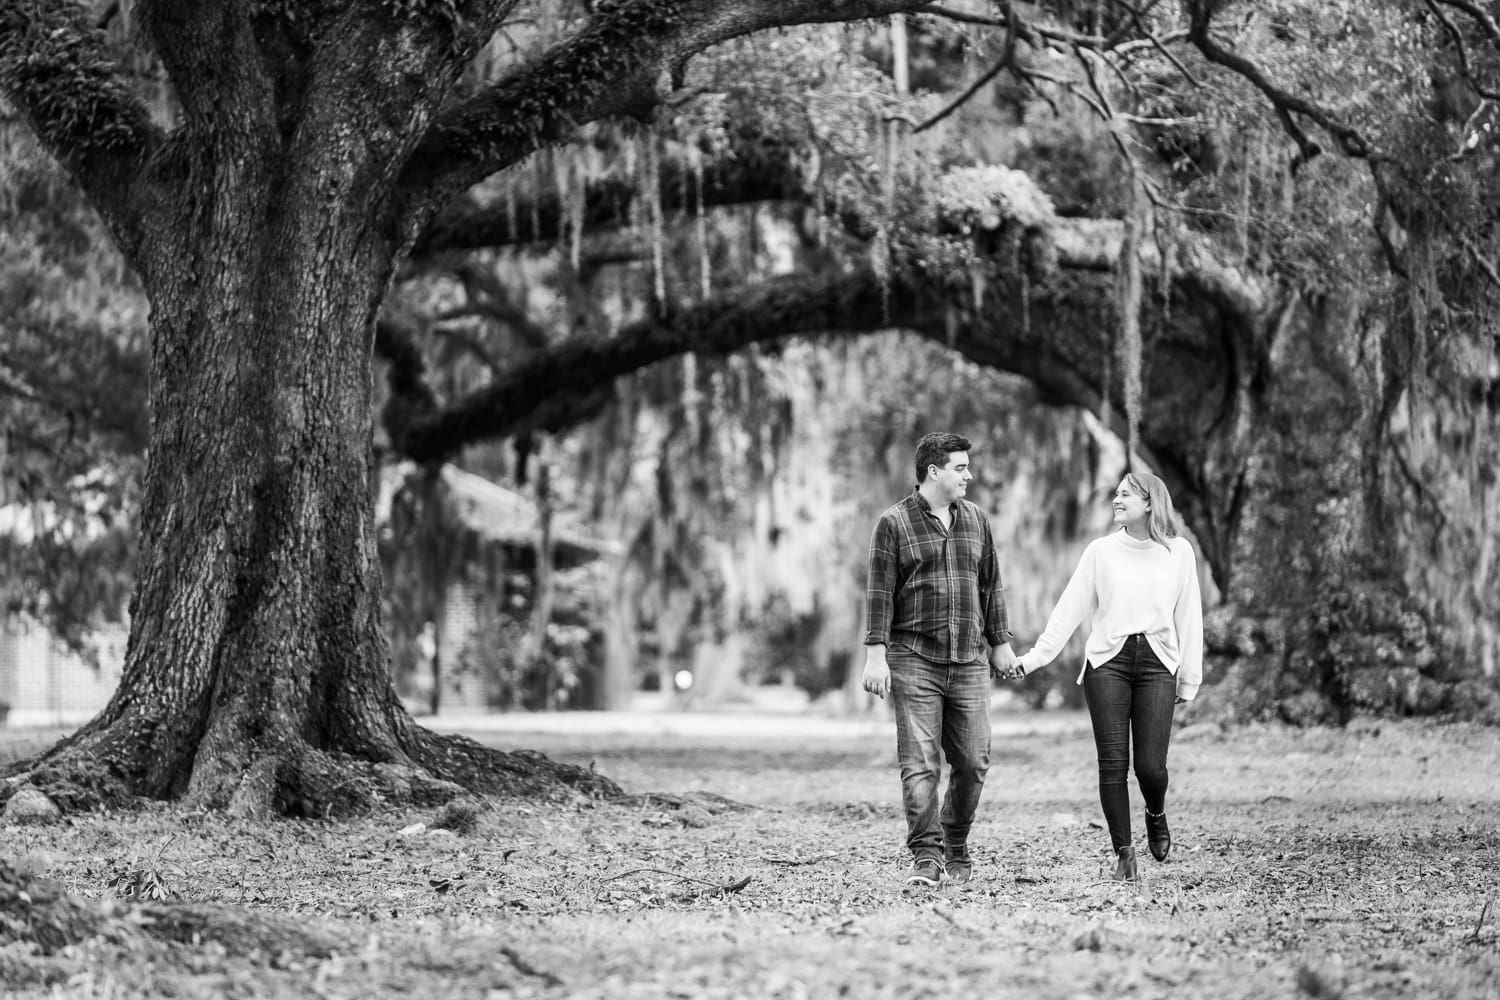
(1132, 510)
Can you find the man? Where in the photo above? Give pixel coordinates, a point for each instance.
(934, 602)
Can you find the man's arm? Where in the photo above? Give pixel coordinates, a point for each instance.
(996, 618)
(880, 598)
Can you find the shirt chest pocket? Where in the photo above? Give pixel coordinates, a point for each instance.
(939, 555)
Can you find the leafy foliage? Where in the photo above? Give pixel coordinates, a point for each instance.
(72, 401)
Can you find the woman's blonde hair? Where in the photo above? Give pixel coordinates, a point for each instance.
(1161, 524)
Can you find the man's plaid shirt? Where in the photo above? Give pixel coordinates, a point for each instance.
(936, 592)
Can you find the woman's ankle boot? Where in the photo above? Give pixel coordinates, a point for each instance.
(1158, 836)
(1124, 865)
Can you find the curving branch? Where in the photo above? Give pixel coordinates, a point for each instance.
(1286, 103)
(1480, 16)
(55, 67)
(1007, 61)
(756, 167)
(621, 63)
(564, 383)
(1461, 48)
(1009, 20)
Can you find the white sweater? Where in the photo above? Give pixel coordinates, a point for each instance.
(1131, 586)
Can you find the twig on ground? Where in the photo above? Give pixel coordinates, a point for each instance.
(717, 890)
(1483, 912)
(525, 967)
(949, 916)
(655, 871)
(713, 887)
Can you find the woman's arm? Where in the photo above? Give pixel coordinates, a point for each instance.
(1187, 617)
(1077, 602)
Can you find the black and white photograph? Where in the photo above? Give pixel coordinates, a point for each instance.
(749, 499)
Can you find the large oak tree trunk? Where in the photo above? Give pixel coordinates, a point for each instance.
(257, 675)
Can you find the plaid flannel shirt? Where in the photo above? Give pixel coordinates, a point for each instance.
(936, 592)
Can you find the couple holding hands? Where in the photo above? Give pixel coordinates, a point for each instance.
(936, 629)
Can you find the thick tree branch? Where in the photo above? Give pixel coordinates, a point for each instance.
(619, 64)
(212, 57)
(757, 167)
(566, 382)
(57, 70)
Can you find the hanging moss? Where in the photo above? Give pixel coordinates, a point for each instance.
(651, 163)
(1128, 291)
(705, 261)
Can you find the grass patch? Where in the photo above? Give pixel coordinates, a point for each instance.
(1356, 863)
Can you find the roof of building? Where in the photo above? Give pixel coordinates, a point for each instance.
(499, 515)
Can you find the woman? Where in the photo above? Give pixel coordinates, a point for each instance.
(1144, 653)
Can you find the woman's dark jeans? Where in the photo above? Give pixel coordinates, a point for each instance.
(940, 707)
(1130, 699)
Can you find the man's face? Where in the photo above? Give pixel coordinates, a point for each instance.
(952, 479)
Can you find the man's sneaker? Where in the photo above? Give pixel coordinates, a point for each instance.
(925, 871)
(957, 863)
(959, 869)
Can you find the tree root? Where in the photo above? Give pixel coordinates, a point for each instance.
(301, 781)
(239, 931)
(73, 783)
(510, 774)
(37, 912)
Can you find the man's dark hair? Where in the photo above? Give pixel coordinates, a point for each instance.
(934, 449)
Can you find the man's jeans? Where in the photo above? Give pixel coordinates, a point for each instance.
(940, 706)
(1130, 699)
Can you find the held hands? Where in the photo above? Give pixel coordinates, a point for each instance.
(1005, 665)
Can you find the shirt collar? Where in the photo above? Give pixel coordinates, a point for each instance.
(923, 505)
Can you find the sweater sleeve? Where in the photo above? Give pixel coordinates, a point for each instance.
(1187, 616)
(1077, 602)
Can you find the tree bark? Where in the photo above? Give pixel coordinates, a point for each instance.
(257, 669)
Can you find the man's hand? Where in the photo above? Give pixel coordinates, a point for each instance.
(877, 676)
(1004, 664)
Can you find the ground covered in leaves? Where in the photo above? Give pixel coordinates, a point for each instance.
(1324, 863)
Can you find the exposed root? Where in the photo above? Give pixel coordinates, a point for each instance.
(518, 774)
(74, 783)
(240, 931)
(37, 914)
(301, 781)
